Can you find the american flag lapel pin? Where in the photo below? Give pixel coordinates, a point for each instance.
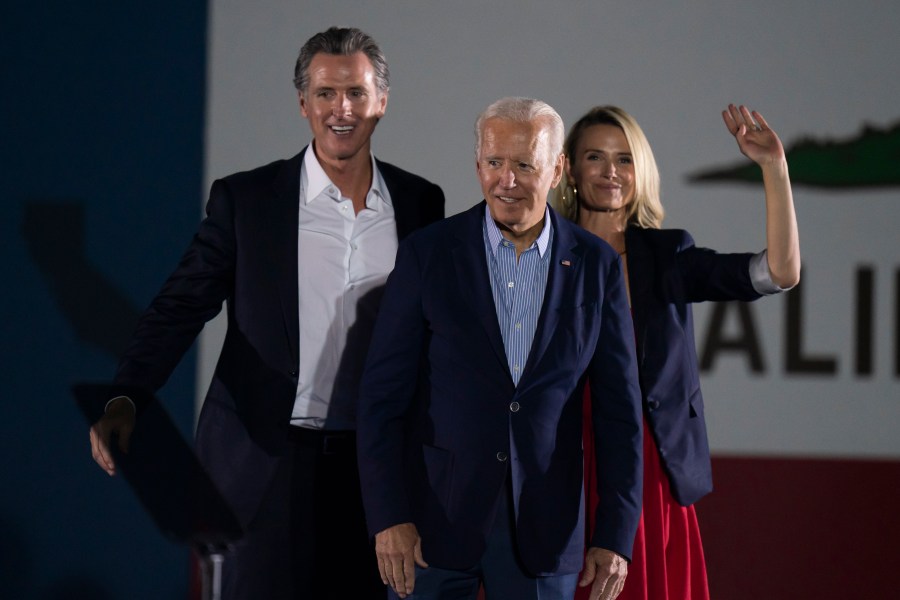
(566, 263)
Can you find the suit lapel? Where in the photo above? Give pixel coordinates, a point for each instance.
(405, 206)
(474, 281)
(640, 278)
(564, 270)
(283, 244)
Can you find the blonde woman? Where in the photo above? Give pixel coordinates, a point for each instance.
(611, 188)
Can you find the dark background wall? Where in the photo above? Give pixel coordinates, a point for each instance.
(102, 133)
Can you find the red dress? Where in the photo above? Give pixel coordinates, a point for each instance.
(667, 562)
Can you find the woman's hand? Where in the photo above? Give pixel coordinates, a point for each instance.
(755, 138)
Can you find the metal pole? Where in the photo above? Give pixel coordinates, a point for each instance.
(212, 576)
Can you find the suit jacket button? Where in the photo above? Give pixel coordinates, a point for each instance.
(501, 456)
(293, 372)
(653, 404)
(514, 407)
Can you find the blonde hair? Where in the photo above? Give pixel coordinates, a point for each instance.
(645, 209)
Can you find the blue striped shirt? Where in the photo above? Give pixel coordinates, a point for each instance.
(518, 288)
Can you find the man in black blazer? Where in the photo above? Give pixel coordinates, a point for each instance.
(299, 249)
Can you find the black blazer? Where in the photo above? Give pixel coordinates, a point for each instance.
(442, 427)
(245, 253)
(666, 273)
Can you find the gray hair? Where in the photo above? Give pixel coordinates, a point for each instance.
(341, 41)
(524, 110)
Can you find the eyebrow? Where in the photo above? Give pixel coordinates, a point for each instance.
(626, 152)
(513, 159)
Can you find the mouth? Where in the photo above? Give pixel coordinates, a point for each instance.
(506, 199)
(341, 130)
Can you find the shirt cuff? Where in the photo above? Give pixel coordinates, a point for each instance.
(761, 277)
(111, 400)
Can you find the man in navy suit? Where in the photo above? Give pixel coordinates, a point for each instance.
(300, 250)
(470, 421)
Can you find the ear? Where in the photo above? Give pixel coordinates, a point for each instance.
(558, 169)
(302, 105)
(382, 104)
(569, 169)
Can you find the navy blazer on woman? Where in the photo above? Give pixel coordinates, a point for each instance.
(666, 273)
(442, 427)
(245, 252)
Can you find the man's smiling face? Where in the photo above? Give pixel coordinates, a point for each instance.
(343, 104)
(516, 171)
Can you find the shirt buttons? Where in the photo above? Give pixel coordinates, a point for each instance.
(510, 284)
(501, 456)
(514, 407)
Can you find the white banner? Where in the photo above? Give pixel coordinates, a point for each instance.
(813, 375)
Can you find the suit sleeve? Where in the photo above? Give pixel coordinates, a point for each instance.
(192, 295)
(617, 422)
(387, 390)
(712, 276)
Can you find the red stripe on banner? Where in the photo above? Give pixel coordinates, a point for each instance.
(802, 528)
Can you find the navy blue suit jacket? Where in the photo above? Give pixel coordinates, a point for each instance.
(245, 253)
(442, 427)
(666, 273)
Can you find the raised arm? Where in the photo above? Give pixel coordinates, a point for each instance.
(760, 143)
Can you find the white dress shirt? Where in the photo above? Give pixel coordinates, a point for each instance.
(344, 261)
(761, 276)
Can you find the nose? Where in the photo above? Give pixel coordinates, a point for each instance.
(341, 105)
(507, 178)
(609, 169)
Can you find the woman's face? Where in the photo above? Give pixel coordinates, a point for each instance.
(602, 168)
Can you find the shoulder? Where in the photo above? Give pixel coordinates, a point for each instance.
(265, 173)
(448, 232)
(569, 234)
(663, 240)
(462, 225)
(393, 174)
